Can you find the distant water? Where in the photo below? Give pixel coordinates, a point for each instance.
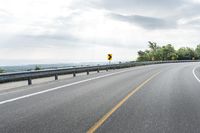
(45, 66)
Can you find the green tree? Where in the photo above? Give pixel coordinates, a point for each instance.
(174, 56)
(197, 50)
(153, 46)
(186, 53)
(148, 55)
(144, 55)
(154, 50)
(168, 52)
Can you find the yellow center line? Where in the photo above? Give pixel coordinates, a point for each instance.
(107, 115)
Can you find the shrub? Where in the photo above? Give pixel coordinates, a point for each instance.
(38, 68)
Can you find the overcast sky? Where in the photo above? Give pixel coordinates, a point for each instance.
(58, 31)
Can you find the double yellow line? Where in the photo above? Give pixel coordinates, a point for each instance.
(107, 115)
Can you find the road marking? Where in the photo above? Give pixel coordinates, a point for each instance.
(59, 87)
(193, 71)
(107, 115)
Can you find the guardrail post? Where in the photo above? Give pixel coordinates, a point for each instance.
(74, 74)
(56, 77)
(29, 81)
(88, 72)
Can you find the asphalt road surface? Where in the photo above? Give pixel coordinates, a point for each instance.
(147, 99)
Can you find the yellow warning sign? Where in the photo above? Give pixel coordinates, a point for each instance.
(109, 56)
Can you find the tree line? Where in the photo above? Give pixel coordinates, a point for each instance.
(168, 52)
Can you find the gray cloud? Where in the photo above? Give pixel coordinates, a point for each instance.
(51, 37)
(167, 12)
(142, 5)
(194, 24)
(146, 22)
(189, 10)
(44, 40)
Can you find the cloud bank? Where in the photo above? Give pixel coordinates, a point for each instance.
(75, 30)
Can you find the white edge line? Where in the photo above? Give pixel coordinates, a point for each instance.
(193, 71)
(59, 87)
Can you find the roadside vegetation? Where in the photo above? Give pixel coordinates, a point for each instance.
(168, 52)
(1, 70)
(37, 68)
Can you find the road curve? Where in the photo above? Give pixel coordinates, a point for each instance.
(154, 98)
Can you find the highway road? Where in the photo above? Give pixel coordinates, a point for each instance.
(146, 99)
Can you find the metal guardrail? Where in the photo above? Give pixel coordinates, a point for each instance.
(29, 75)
